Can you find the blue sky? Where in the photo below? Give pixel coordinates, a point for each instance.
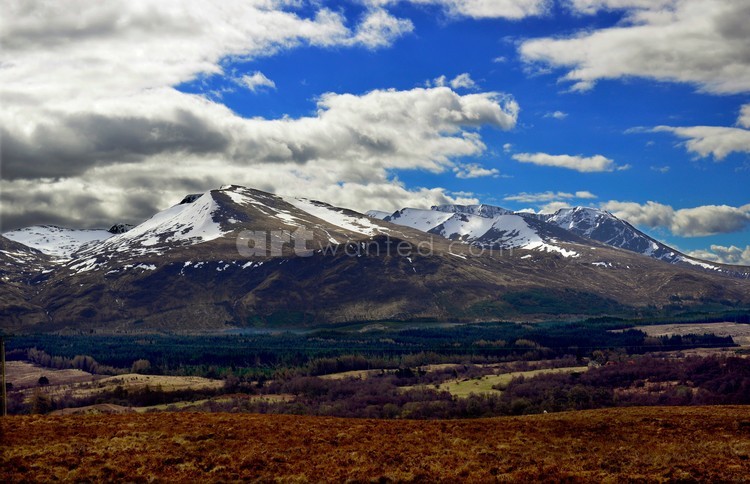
(639, 101)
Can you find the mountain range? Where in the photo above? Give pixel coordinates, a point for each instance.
(239, 257)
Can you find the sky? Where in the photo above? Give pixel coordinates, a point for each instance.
(113, 110)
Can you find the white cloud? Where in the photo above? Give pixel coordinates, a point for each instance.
(556, 115)
(548, 196)
(725, 255)
(651, 214)
(380, 29)
(474, 170)
(716, 141)
(660, 169)
(72, 130)
(257, 81)
(507, 147)
(744, 119)
(553, 207)
(596, 163)
(500, 59)
(461, 81)
(687, 222)
(351, 143)
(701, 42)
(510, 9)
(590, 7)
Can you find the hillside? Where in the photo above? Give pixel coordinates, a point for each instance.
(652, 444)
(238, 257)
(491, 226)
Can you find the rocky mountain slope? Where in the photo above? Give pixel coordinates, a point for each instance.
(238, 257)
(491, 226)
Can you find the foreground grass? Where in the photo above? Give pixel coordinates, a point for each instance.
(662, 443)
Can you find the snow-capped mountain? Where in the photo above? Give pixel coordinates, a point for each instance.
(480, 210)
(17, 259)
(604, 227)
(190, 268)
(57, 241)
(488, 225)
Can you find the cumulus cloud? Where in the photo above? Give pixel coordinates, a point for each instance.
(257, 81)
(725, 255)
(596, 163)
(556, 115)
(548, 196)
(716, 141)
(687, 222)
(701, 42)
(713, 141)
(744, 119)
(379, 29)
(461, 81)
(474, 170)
(119, 147)
(186, 142)
(510, 9)
(650, 214)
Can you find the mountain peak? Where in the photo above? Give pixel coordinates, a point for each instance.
(482, 210)
(120, 228)
(190, 198)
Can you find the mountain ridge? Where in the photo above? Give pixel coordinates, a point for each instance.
(238, 257)
(578, 223)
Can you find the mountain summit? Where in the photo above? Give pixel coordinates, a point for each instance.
(238, 257)
(492, 226)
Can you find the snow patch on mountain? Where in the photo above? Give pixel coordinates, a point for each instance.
(698, 263)
(482, 225)
(189, 223)
(463, 227)
(57, 241)
(541, 246)
(336, 216)
(420, 219)
(378, 214)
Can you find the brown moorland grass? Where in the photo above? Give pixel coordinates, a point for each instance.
(654, 444)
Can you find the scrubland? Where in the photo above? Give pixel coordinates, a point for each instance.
(655, 444)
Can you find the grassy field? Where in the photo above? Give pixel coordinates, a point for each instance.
(26, 375)
(654, 444)
(740, 333)
(80, 384)
(464, 387)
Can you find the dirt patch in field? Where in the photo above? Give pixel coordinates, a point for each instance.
(632, 444)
